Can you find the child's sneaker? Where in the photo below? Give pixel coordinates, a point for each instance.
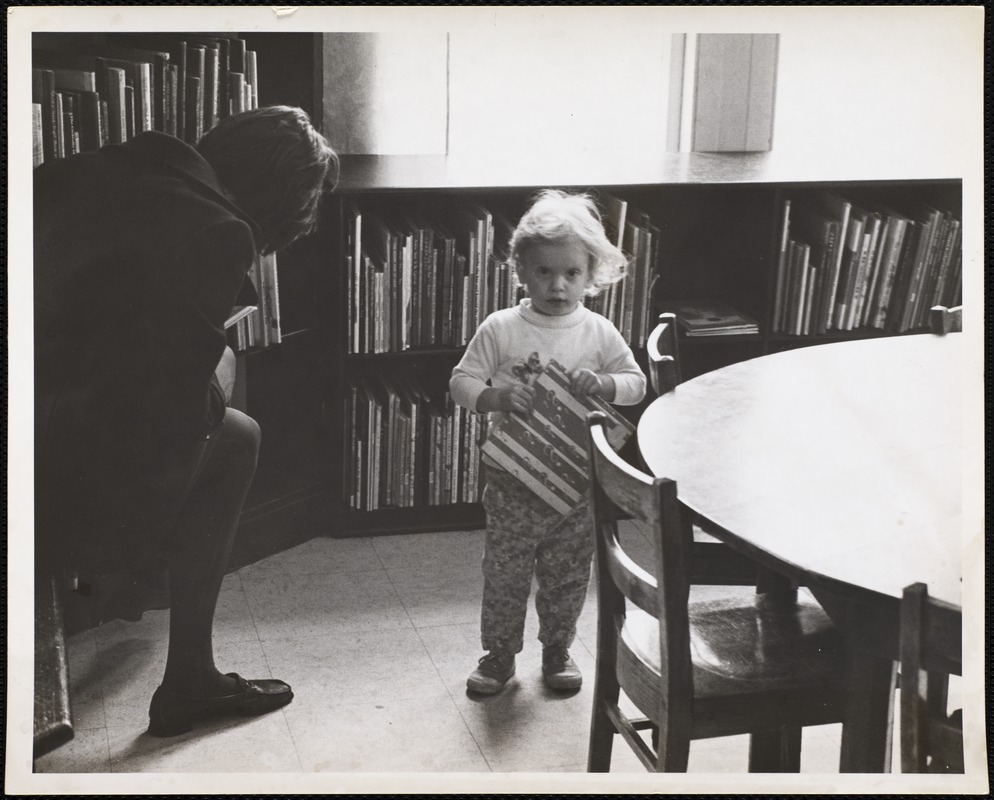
(489, 677)
(559, 669)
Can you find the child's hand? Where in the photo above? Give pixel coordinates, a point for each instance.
(584, 382)
(517, 398)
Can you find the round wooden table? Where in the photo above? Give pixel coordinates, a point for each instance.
(837, 466)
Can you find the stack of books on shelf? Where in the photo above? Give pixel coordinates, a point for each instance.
(710, 317)
(88, 93)
(843, 267)
(627, 303)
(416, 283)
(257, 326)
(407, 449)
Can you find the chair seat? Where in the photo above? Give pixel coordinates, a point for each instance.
(740, 646)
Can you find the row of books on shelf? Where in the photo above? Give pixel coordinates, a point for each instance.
(257, 325)
(406, 448)
(628, 303)
(87, 94)
(416, 283)
(842, 266)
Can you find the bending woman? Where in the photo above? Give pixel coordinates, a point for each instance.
(140, 252)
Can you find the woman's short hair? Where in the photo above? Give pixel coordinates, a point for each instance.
(276, 166)
(556, 215)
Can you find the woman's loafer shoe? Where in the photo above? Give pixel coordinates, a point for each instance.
(172, 713)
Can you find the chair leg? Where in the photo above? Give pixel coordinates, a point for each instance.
(775, 751)
(601, 740)
(672, 748)
(867, 729)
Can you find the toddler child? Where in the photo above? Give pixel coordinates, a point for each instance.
(559, 253)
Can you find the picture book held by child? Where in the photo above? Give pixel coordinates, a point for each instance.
(547, 450)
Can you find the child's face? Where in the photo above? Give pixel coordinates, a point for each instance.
(556, 274)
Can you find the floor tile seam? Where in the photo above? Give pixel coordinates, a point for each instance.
(438, 672)
(255, 626)
(469, 729)
(109, 759)
(293, 739)
(455, 704)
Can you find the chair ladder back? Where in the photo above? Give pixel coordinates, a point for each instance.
(673, 543)
(931, 650)
(618, 490)
(654, 501)
(663, 351)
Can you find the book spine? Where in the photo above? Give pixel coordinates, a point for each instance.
(195, 82)
(88, 120)
(888, 267)
(261, 332)
(858, 275)
(145, 96)
(37, 138)
(271, 294)
(252, 76)
(791, 288)
(948, 258)
(841, 220)
(905, 266)
(931, 274)
(160, 93)
(50, 117)
(129, 111)
(813, 276)
(180, 57)
(868, 311)
(60, 127)
(211, 96)
(781, 276)
(920, 262)
(169, 100)
(223, 80)
(850, 263)
(194, 110)
(801, 292)
(236, 93)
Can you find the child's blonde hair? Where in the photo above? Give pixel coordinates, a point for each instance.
(556, 215)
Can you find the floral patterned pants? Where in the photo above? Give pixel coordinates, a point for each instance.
(525, 537)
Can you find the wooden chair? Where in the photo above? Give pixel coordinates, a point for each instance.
(931, 651)
(695, 670)
(713, 562)
(664, 355)
(944, 320)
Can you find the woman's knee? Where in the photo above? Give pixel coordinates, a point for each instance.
(240, 437)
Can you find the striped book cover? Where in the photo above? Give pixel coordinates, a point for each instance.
(547, 451)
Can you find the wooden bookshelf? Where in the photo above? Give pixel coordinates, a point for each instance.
(719, 222)
(719, 219)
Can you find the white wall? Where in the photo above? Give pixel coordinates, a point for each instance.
(884, 81)
(531, 84)
(532, 94)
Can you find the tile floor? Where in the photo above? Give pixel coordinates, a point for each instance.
(377, 637)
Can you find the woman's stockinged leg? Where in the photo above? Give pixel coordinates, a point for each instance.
(198, 553)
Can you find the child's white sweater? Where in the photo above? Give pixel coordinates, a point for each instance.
(507, 339)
